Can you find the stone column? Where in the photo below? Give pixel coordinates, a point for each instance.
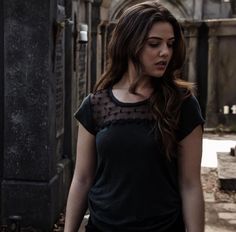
(102, 52)
(212, 96)
(105, 11)
(35, 175)
(1, 96)
(198, 8)
(192, 37)
(89, 46)
(233, 8)
(95, 42)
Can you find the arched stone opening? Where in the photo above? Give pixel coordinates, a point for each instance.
(180, 11)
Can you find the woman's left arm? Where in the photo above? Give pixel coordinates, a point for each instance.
(189, 165)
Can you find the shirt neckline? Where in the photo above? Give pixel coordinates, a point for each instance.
(118, 102)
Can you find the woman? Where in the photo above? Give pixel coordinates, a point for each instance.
(140, 134)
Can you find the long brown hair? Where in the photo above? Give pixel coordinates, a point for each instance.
(126, 43)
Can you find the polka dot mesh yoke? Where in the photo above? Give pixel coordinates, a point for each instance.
(109, 110)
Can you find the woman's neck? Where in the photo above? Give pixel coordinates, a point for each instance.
(143, 87)
(127, 80)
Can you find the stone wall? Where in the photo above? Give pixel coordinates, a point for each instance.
(36, 171)
(221, 73)
(216, 9)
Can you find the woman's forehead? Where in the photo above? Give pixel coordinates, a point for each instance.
(161, 29)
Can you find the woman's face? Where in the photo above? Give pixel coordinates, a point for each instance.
(158, 49)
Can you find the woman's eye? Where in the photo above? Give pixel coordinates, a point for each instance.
(170, 45)
(153, 45)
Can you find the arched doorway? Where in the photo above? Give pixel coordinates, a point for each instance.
(176, 7)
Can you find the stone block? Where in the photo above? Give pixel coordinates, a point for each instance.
(209, 197)
(224, 207)
(64, 170)
(226, 170)
(36, 202)
(227, 215)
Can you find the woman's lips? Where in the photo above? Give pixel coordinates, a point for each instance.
(161, 65)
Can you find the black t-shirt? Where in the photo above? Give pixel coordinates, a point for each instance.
(136, 186)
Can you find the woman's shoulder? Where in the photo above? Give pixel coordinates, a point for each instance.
(93, 98)
(99, 96)
(190, 115)
(188, 99)
(100, 92)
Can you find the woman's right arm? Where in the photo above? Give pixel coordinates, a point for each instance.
(82, 180)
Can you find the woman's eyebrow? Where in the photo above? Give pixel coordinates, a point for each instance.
(159, 38)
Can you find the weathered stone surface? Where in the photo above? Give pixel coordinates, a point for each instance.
(38, 203)
(39, 199)
(36, 175)
(213, 228)
(226, 165)
(227, 171)
(29, 99)
(227, 215)
(209, 197)
(225, 207)
(64, 168)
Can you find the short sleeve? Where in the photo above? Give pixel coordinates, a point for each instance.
(84, 115)
(190, 117)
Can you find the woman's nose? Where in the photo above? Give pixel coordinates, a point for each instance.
(165, 50)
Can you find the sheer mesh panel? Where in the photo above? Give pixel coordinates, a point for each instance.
(106, 110)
